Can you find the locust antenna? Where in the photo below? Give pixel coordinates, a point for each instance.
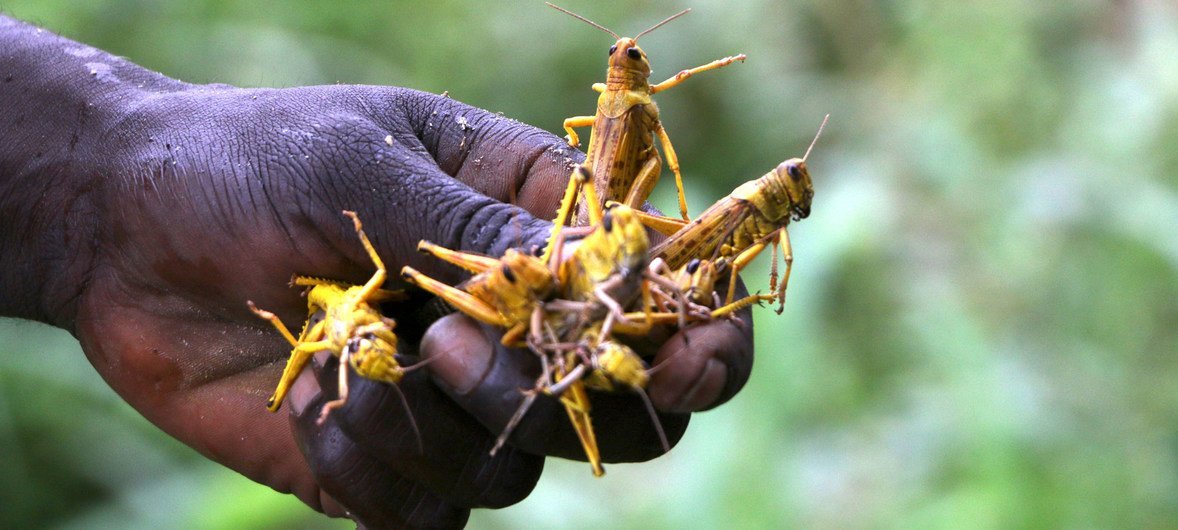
(583, 19)
(816, 135)
(668, 19)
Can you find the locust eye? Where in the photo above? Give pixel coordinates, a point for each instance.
(608, 221)
(369, 337)
(634, 53)
(613, 49)
(693, 266)
(510, 276)
(794, 172)
(537, 250)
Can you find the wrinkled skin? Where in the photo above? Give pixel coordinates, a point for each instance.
(140, 213)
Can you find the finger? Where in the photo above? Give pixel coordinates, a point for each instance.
(499, 157)
(416, 430)
(704, 365)
(488, 382)
(373, 494)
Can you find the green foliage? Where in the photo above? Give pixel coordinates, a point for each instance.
(983, 319)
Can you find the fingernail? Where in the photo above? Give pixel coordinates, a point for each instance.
(706, 389)
(463, 354)
(306, 387)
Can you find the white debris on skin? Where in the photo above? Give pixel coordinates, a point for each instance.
(102, 72)
(388, 139)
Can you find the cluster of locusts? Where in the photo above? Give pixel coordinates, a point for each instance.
(573, 308)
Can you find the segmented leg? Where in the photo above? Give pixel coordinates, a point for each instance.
(673, 164)
(474, 263)
(664, 225)
(274, 321)
(644, 183)
(379, 276)
(342, 400)
(576, 121)
(568, 202)
(576, 404)
(461, 300)
(683, 75)
(787, 255)
(299, 357)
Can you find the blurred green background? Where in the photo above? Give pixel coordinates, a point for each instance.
(983, 318)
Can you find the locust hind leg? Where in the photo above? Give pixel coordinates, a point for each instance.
(738, 264)
(299, 357)
(474, 263)
(568, 202)
(373, 284)
(644, 183)
(576, 404)
(461, 300)
(663, 225)
(673, 165)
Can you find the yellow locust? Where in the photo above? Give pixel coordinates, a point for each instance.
(351, 328)
(621, 154)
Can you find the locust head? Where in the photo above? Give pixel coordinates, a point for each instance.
(796, 179)
(799, 188)
(625, 238)
(372, 352)
(625, 55)
(617, 366)
(528, 274)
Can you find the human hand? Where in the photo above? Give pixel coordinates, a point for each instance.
(185, 201)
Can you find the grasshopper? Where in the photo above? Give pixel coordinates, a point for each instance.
(740, 226)
(621, 153)
(590, 363)
(604, 273)
(504, 292)
(351, 328)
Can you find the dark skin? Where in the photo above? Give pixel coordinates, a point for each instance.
(140, 213)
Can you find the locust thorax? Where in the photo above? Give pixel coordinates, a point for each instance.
(628, 67)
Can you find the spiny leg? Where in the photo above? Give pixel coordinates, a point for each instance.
(274, 321)
(576, 405)
(644, 183)
(475, 263)
(738, 264)
(311, 281)
(461, 300)
(683, 75)
(747, 301)
(299, 357)
(673, 164)
(567, 203)
(340, 401)
(378, 277)
(787, 255)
